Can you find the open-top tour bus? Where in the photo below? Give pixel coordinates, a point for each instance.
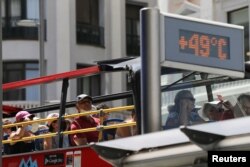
(213, 65)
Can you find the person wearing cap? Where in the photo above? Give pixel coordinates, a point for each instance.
(183, 111)
(53, 142)
(84, 104)
(22, 131)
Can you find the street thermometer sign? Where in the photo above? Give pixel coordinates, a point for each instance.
(200, 45)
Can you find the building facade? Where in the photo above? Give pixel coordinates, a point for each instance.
(77, 34)
(80, 32)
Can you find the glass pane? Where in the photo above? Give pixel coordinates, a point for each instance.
(32, 66)
(14, 76)
(83, 11)
(13, 66)
(15, 8)
(241, 17)
(171, 105)
(32, 92)
(90, 85)
(3, 8)
(86, 85)
(32, 9)
(95, 85)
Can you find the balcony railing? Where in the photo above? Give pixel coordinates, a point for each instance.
(30, 33)
(12, 31)
(89, 34)
(133, 45)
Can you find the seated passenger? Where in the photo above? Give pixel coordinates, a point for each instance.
(84, 104)
(53, 142)
(22, 131)
(128, 130)
(42, 129)
(99, 107)
(182, 112)
(107, 134)
(6, 134)
(218, 110)
(242, 108)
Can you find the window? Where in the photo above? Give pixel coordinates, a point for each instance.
(87, 20)
(16, 10)
(16, 71)
(90, 85)
(133, 29)
(240, 17)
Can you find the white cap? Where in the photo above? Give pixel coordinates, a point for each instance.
(83, 96)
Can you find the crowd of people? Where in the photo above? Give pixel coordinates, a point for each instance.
(83, 104)
(183, 112)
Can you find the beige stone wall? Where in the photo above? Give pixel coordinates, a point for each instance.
(174, 5)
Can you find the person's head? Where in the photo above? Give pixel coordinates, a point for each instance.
(7, 130)
(102, 106)
(244, 102)
(84, 102)
(52, 124)
(212, 110)
(24, 116)
(185, 96)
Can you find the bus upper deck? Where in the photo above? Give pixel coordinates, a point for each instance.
(209, 85)
(191, 134)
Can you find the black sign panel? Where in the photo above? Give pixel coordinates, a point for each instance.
(54, 159)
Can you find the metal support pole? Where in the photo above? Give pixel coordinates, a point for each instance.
(136, 87)
(1, 80)
(150, 74)
(62, 109)
(41, 31)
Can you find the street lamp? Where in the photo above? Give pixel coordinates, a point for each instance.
(41, 30)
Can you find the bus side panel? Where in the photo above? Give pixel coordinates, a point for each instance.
(91, 159)
(78, 157)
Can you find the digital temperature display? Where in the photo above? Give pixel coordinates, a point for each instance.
(204, 45)
(201, 45)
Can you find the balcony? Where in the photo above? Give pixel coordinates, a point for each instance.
(12, 31)
(89, 34)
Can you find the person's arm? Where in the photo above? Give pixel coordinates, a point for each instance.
(47, 143)
(80, 141)
(123, 132)
(79, 138)
(18, 134)
(183, 113)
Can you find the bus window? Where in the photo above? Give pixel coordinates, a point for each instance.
(213, 97)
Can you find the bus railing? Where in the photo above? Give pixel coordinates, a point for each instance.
(99, 128)
(51, 78)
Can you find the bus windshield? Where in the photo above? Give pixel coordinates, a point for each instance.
(197, 98)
